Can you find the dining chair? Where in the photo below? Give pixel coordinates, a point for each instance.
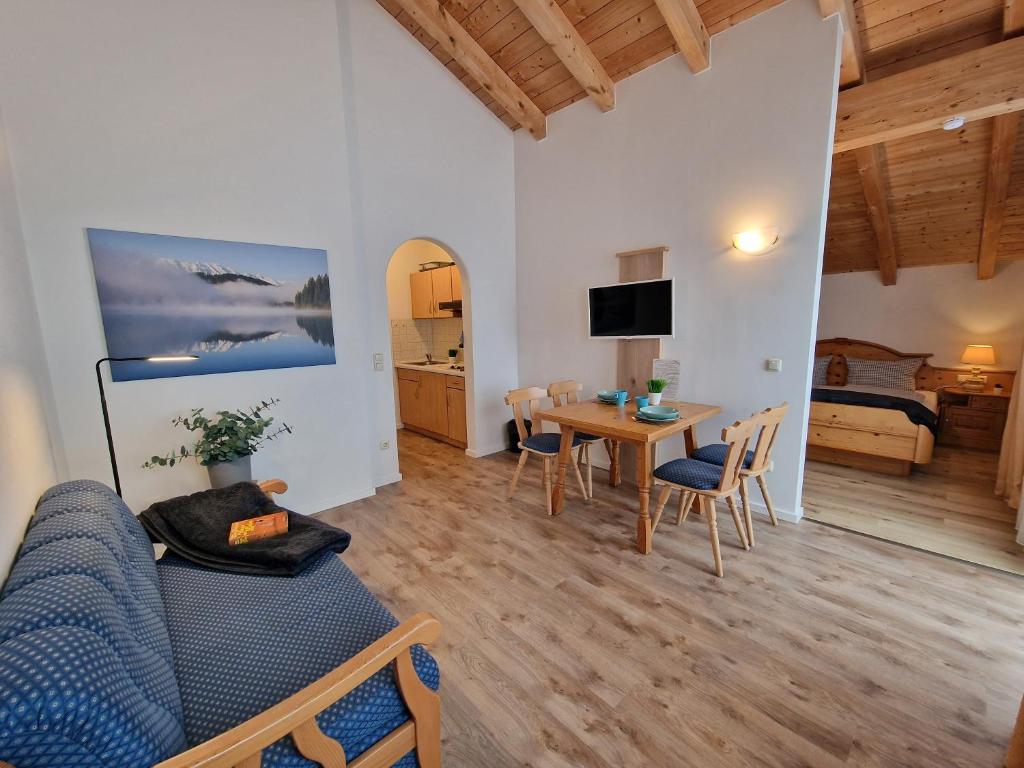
(707, 483)
(525, 404)
(570, 391)
(756, 463)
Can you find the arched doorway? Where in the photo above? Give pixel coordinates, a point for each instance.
(428, 317)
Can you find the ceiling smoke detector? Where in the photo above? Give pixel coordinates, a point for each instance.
(954, 123)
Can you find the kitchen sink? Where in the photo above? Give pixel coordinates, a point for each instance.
(422, 362)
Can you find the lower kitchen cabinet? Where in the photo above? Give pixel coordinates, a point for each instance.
(433, 404)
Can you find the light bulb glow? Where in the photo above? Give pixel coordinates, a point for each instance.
(171, 358)
(755, 241)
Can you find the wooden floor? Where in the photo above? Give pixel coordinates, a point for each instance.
(564, 647)
(947, 507)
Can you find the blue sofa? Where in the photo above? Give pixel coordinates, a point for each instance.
(109, 657)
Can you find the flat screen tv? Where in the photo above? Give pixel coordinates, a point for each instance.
(632, 310)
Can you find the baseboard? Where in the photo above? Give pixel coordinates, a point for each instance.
(479, 454)
(338, 501)
(782, 514)
(395, 477)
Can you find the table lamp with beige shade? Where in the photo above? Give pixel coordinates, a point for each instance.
(977, 355)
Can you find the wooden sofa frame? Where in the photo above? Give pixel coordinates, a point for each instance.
(243, 745)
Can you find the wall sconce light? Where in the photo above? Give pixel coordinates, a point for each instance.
(755, 241)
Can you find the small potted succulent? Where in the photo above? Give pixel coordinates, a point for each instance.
(452, 356)
(655, 388)
(226, 442)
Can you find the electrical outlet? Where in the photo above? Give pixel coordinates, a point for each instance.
(384, 445)
(773, 364)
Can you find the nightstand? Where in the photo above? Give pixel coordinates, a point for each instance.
(972, 419)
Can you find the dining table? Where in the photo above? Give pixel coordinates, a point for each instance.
(617, 425)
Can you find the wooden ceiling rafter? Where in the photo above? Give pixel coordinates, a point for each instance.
(434, 19)
(976, 85)
(559, 33)
(870, 160)
(687, 27)
(1000, 164)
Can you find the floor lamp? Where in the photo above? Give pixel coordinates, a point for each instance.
(103, 397)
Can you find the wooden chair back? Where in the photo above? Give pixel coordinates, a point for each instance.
(738, 438)
(525, 403)
(569, 389)
(769, 421)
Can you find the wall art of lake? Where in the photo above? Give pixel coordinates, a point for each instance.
(237, 306)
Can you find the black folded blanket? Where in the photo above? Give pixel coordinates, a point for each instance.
(196, 528)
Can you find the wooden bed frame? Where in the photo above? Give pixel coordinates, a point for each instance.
(876, 439)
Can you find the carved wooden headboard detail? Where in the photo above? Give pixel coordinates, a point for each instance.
(928, 376)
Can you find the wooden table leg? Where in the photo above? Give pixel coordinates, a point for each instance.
(644, 533)
(564, 460)
(690, 438)
(614, 465)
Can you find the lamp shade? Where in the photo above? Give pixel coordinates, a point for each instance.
(979, 354)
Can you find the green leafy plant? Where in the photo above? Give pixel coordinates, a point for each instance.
(230, 435)
(656, 385)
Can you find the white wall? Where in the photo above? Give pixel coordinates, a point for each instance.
(431, 162)
(237, 120)
(930, 309)
(685, 161)
(220, 120)
(27, 464)
(404, 262)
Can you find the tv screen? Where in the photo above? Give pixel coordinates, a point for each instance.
(628, 310)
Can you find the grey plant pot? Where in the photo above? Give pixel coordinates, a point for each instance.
(225, 473)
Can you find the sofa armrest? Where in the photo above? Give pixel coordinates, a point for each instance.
(241, 746)
(270, 487)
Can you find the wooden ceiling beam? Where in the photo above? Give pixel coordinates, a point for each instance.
(1000, 162)
(554, 27)
(457, 42)
(873, 179)
(688, 30)
(976, 85)
(851, 71)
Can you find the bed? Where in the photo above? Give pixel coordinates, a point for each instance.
(879, 429)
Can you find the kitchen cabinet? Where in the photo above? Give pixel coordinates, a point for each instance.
(456, 392)
(433, 404)
(431, 288)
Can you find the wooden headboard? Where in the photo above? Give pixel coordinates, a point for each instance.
(928, 376)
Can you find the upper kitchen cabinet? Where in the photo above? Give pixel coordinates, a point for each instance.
(432, 288)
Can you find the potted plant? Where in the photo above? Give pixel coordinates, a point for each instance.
(655, 388)
(226, 442)
(452, 355)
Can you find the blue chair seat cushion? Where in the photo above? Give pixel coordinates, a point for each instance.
(716, 453)
(242, 643)
(586, 437)
(548, 442)
(692, 473)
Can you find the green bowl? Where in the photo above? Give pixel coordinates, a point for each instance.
(660, 412)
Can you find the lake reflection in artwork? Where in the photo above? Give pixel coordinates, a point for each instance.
(238, 306)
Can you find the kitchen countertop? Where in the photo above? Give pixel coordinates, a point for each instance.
(435, 368)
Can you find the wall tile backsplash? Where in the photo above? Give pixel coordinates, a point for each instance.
(412, 339)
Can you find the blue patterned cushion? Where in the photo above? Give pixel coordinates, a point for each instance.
(715, 454)
(243, 643)
(548, 442)
(691, 473)
(586, 437)
(86, 673)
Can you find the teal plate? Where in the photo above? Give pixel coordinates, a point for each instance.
(660, 412)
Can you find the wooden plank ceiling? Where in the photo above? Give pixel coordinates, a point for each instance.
(935, 182)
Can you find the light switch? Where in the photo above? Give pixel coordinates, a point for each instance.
(378, 361)
(773, 364)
